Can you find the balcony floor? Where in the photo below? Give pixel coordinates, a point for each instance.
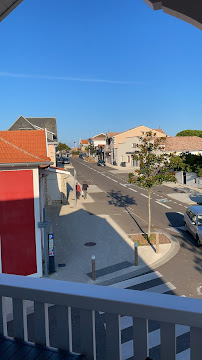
(16, 350)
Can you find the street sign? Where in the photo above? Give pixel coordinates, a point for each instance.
(51, 253)
(43, 224)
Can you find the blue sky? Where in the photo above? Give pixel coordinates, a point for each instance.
(99, 66)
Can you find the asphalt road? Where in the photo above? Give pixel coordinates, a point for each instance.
(128, 205)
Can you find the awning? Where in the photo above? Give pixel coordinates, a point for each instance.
(6, 6)
(187, 10)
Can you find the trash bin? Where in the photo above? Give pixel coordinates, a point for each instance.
(123, 163)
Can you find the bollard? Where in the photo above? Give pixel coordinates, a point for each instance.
(93, 267)
(157, 243)
(136, 254)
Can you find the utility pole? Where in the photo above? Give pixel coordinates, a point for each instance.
(75, 188)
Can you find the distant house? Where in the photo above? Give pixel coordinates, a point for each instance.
(38, 123)
(98, 142)
(183, 144)
(83, 144)
(109, 147)
(22, 154)
(121, 146)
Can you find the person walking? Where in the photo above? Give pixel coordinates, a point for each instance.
(78, 191)
(85, 188)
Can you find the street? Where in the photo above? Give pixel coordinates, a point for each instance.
(128, 205)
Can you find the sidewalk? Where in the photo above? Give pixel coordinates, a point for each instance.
(121, 169)
(74, 228)
(185, 193)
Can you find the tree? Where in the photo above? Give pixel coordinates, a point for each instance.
(190, 133)
(62, 146)
(156, 166)
(193, 163)
(91, 149)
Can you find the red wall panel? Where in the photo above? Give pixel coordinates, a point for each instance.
(17, 224)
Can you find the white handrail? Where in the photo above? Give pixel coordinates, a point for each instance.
(171, 309)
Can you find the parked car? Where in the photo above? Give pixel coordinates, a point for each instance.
(101, 163)
(65, 161)
(83, 155)
(193, 222)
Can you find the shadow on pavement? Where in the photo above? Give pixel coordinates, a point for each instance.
(123, 201)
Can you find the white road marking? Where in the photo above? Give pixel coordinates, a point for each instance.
(114, 180)
(153, 340)
(138, 280)
(144, 195)
(168, 207)
(122, 185)
(180, 213)
(180, 204)
(184, 355)
(133, 189)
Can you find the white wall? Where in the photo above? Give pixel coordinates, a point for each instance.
(37, 220)
(54, 185)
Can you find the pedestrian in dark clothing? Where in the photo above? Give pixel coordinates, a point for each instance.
(78, 191)
(85, 188)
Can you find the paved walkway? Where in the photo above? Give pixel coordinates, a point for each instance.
(74, 228)
(186, 194)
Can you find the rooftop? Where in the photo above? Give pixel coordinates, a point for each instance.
(183, 143)
(32, 141)
(23, 147)
(111, 134)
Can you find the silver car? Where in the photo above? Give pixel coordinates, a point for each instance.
(193, 222)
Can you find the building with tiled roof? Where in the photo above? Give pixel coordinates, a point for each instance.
(22, 154)
(49, 124)
(12, 155)
(181, 144)
(161, 131)
(98, 142)
(83, 144)
(111, 134)
(119, 146)
(33, 142)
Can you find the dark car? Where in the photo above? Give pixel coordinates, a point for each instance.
(65, 161)
(83, 155)
(101, 163)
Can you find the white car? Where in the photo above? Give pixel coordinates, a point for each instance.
(193, 222)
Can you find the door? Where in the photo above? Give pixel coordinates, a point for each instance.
(17, 225)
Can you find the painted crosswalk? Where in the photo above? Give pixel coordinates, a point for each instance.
(150, 282)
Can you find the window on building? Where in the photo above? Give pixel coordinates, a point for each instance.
(134, 145)
(128, 158)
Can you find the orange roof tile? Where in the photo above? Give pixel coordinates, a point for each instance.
(183, 143)
(32, 141)
(12, 154)
(84, 142)
(160, 130)
(111, 134)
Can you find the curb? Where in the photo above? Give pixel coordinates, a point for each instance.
(175, 246)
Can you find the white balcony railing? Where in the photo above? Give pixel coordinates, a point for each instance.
(141, 306)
